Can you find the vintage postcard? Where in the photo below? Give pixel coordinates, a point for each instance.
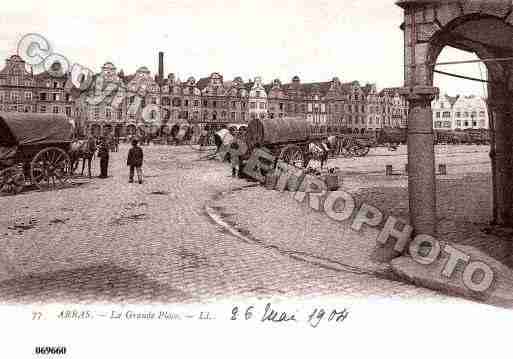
(267, 179)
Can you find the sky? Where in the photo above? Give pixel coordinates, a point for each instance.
(316, 40)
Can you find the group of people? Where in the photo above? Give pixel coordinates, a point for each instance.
(134, 160)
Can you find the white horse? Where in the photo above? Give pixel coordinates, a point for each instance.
(318, 151)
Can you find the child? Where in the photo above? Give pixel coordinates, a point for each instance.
(103, 154)
(235, 158)
(135, 161)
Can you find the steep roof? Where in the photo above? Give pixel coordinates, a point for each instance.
(203, 82)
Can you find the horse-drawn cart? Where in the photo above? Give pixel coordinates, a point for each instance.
(34, 148)
(287, 138)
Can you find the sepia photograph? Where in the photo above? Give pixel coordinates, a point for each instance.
(267, 179)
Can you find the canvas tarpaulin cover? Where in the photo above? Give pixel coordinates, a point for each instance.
(22, 129)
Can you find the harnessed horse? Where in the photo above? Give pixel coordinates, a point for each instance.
(318, 151)
(82, 150)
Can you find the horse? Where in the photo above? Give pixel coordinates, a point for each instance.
(82, 150)
(318, 151)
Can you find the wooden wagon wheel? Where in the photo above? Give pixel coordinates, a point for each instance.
(360, 150)
(12, 180)
(293, 155)
(50, 168)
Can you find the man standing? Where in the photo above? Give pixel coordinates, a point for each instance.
(135, 161)
(103, 153)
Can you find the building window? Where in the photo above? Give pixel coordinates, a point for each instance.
(474, 123)
(42, 108)
(108, 113)
(154, 100)
(458, 114)
(96, 112)
(186, 103)
(233, 116)
(234, 104)
(196, 103)
(28, 96)
(438, 124)
(214, 104)
(252, 105)
(465, 124)
(458, 123)
(481, 114)
(447, 124)
(446, 114)
(262, 105)
(55, 97)
(437, 115)
(55, 109)
(258, 94)
(166, 101)
(68, 111)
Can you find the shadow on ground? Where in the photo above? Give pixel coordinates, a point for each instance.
(97, 283)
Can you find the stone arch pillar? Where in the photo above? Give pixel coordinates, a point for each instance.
(428, 27)
(501, 111)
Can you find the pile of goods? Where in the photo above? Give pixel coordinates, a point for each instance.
(332, 177)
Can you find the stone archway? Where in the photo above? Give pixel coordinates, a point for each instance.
(482, 27)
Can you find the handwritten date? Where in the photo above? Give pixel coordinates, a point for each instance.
(269, 314)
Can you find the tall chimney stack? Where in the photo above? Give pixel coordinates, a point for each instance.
(161, 65)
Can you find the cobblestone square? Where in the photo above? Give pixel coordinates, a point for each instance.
(106, 240)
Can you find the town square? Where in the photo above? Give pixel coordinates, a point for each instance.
(171, 154)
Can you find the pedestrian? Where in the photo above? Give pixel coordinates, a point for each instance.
(234, 158)
(103, 153)
(135, 161)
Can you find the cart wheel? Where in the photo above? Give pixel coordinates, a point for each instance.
(12, 180)
(361, 151)
(293, 155)
(344, 149)
(50, 169)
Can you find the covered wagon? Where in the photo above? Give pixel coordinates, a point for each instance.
(391, 136)
(34, 148)
(287, 138)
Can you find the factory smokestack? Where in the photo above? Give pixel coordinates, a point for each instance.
(161, 65)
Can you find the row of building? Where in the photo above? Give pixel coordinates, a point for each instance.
(141, 98)
(460, 113)
(210, 100)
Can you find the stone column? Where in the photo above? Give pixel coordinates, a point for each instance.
(421, 159)
(503, 155)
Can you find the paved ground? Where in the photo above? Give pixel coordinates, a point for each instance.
(111, 241)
